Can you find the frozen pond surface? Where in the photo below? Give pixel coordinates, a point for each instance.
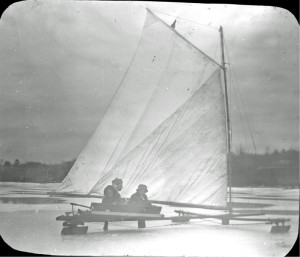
(28, 224)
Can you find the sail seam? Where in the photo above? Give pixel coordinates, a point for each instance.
(151, 162)
(121, 83)
(154, 92)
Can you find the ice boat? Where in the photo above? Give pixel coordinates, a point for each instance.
(168, 127)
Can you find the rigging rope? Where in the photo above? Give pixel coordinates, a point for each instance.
(240, 113)
(215, 54)
(242, 102)
(235, 85)
(177, 17)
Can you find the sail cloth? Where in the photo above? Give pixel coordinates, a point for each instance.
(184, 158)
(165, 72)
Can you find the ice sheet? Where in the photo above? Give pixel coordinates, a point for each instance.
(31, 226)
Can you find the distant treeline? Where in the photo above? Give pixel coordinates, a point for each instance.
(34, 171)
(276, 169)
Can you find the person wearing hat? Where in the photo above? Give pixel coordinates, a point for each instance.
(111, 192)
(117, 183)
(139, 197)
(111, 195)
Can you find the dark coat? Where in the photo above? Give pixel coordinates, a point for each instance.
(115, 199)
(137, 199)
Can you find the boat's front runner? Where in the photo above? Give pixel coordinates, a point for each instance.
(279, 225)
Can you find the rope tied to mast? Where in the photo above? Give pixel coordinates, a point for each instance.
(178, 17)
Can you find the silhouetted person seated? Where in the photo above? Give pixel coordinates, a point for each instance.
(111, 195)
(140, 198)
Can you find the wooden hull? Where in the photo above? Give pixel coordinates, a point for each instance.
(125, 208)
(90, 216)
(108, 212)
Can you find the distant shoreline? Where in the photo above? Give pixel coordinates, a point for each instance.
(279, 169)
(43, 183)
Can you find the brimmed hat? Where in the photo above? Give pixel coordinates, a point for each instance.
(117, 181)
(142, 187)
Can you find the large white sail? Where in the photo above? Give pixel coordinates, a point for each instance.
(165, 71)
(183, 159)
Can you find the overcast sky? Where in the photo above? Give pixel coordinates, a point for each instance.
(61, 61)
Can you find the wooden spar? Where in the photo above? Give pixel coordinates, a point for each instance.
(231, 215)
(80, 205)
(169, 203)
(227, 115)
(189, 205)
(73, 195)
(269, 221)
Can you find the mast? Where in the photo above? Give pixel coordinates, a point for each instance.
(227, 115)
